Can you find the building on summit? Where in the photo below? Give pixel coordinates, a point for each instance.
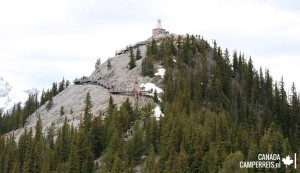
(158, 31)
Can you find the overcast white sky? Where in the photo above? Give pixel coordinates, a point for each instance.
(44, 41)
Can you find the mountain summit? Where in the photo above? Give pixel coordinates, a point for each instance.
(170, 103)
(114, 71)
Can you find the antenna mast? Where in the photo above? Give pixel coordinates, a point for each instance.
(158, 26)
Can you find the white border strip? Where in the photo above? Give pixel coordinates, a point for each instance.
(295, 160)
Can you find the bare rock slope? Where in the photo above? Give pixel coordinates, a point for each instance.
(72, 98)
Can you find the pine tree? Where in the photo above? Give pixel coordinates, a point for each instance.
(62, 111)
(30, 155)
(87, 118)
(230, 163)
(151, 133)
(16, 166)
(138, 54)
(98, 136)
(50, 103)
(46, 165)
(111, 106)
(84, 147)
(182, 161)
(108, 64)
(38, 130)
(66, 140)
(155, 98)
(73, 158)
(147, 66)
(62, 85)
(150, 165)
(50, 136)
(67, 83)
(117, 166)
(88, 102)
(98, 63)
(22, 147)
(131, 63)
(54, 89)
(153, 48)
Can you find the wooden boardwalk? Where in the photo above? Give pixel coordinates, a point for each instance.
(129, 92)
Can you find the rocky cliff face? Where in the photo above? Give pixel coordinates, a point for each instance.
(72, 98)
(119, 74)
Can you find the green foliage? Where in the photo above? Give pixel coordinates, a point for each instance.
(131, 63)
(148, 61)
(50, 103)
(62, 111)
(155, 98)
(108, 64)
(98, 63)
(150, 164)
(230, 164)
(138, 54)
(62, 85)
(216, 114)
(38, 130)
(148, 67)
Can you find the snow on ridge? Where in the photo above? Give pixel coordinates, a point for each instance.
(160, 72)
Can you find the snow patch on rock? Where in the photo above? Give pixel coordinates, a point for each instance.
(151, 87)
(160, 72)
(157, 112)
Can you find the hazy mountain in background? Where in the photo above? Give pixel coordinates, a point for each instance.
(9, 95)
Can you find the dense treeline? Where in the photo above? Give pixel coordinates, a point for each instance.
(75, 149)
(217, 112)
(230, 108)
(17, 117)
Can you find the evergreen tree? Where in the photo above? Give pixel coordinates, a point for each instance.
(16, 166)
(50, 103)
(117, 166)
(38, 130)
(98, 63)
(98, 136)
(147, 66)
(62, 85)
(54, 89)
(50, 136)
(138, 54)
(84, 147)
(30, 155)
(182, 162)
(87, 118)
(131, 63)
(73, 158)
(62, 111)
(108, 64)
(150, 165)
(215, 114)
(67, 83)
(155, 98)
(230, 163)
